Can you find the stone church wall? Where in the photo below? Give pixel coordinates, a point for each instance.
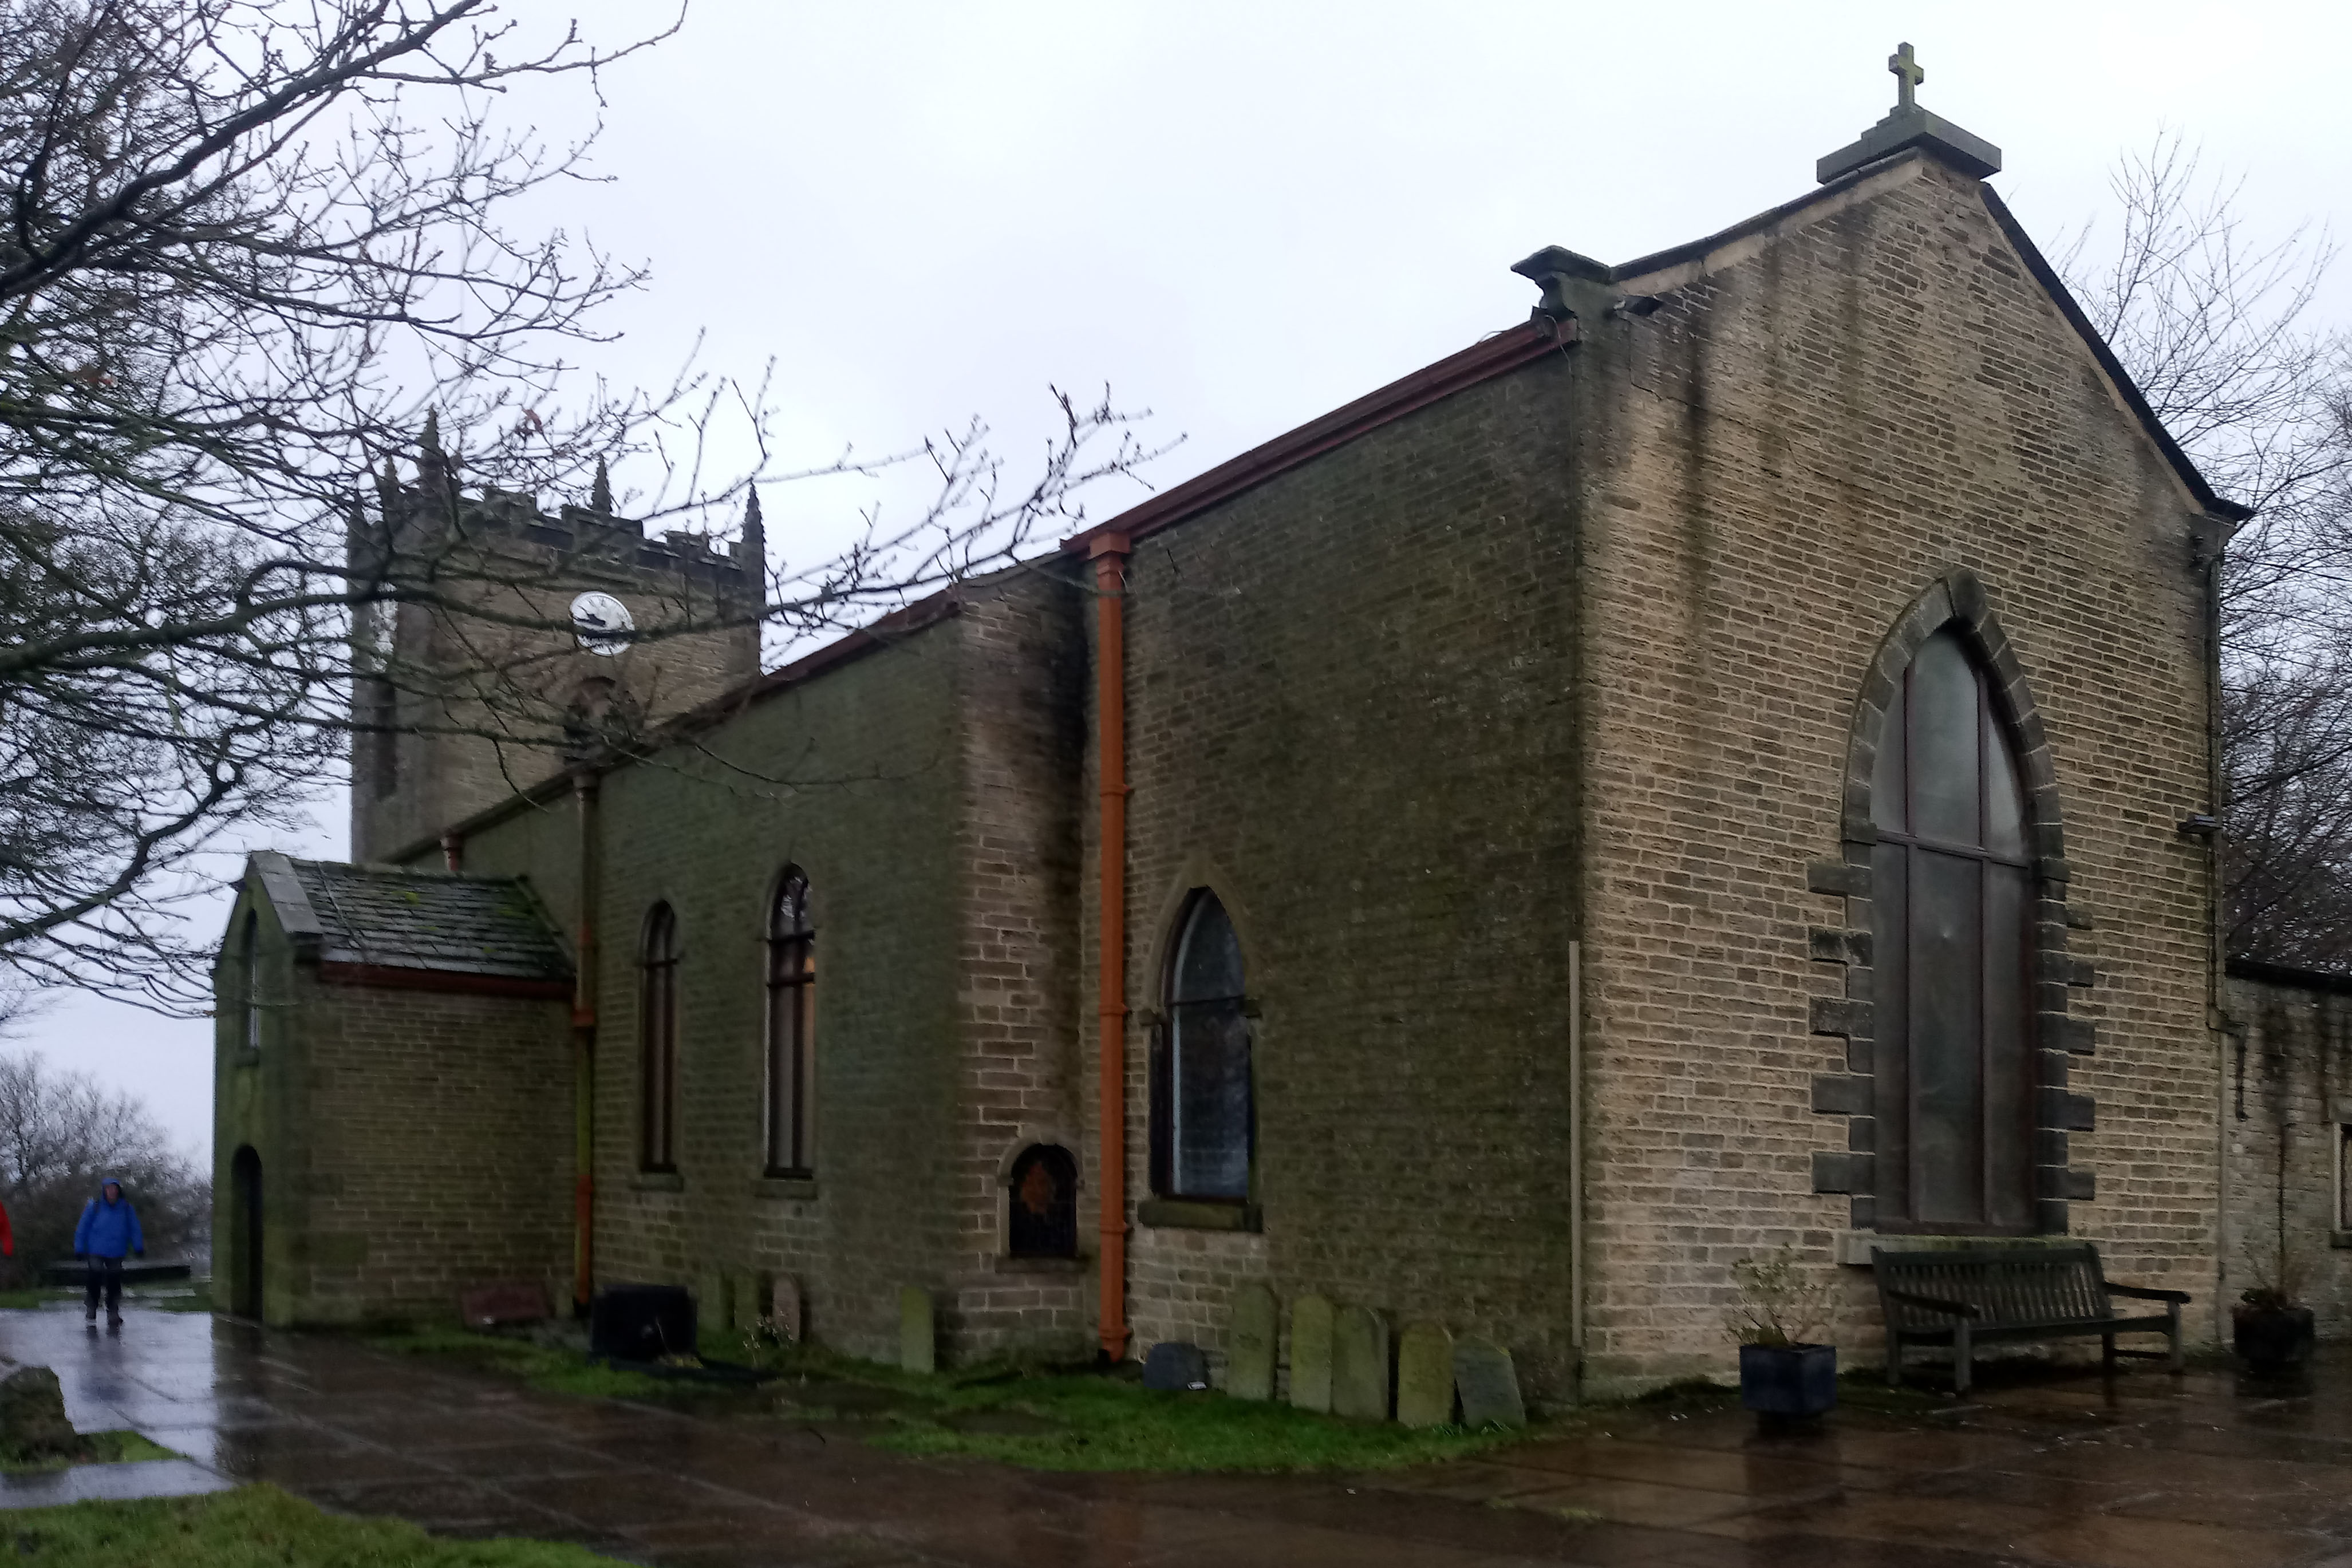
(1349, 700)
(1020, 673)
(414, 1143)
(2287, 1118)
(927, 789)
(438, 1154)
(1821, 418)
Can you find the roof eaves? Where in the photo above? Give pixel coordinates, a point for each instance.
(1497, 355)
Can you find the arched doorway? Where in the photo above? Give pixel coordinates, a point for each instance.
(243, 1262)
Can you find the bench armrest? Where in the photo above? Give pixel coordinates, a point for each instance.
(2143, 1293)
(1934, 1303)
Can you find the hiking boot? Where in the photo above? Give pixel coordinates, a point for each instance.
(89, 1314)
(114, 1320)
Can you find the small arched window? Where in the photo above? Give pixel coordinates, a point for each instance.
(248, 952)
(1042, 1217)
(1952, 900)
(657, 1040)
(792, 1024)
(1203, 1115)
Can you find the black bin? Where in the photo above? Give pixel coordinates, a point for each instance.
(641, 1322)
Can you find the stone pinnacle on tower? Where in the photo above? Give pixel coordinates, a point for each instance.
(599, 493)
(752, 549)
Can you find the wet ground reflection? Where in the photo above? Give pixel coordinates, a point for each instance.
(2145, 1471)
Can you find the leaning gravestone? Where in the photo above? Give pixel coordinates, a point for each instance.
(1250, 1343)
(1425, 1391)
(745, 1301)
(1489, 1387)
(1311, 1352)
(710, 1314)
(1174, 1366)
(918, 1345)
(784, 1309)
(32, 1424)
(1359, 1364)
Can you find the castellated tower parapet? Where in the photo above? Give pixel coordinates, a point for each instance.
(487, 675)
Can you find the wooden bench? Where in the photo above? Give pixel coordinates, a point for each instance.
(1964, 1297)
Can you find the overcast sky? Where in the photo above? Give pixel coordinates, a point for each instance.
(1241, 215)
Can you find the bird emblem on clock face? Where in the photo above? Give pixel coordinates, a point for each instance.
(602, 622)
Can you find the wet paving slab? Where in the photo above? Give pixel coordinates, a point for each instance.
(2043, 1467)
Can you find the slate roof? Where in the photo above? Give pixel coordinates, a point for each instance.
(401, 919)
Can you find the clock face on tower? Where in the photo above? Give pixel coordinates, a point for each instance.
(603, 621)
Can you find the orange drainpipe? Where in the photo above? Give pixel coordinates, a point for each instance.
(584, 1057)
(1109, 552)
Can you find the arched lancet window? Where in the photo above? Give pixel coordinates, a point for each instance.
(1042, 1217)
(1952, 899)
(792, 1024)
(248, 949)
(657, 1040)
(1203, 1116)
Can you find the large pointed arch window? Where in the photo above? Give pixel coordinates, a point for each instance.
(1952, 896)
(792, 1024)
(1203, 1113)
(657, 1040)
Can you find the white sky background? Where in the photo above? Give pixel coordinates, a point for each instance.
(1243, 215)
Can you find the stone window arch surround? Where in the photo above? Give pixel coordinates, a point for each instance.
(1955, 601)
(1197, 874)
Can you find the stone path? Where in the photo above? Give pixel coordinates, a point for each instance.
(2149, 1472)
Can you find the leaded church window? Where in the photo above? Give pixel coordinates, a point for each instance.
(1202, 1112)
(1952, 900)
(657, 1040)
(792, 1024)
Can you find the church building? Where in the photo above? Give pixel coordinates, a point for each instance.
(1728, 762)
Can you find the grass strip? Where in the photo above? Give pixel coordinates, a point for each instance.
(1071, 1419)
(1041, 1418)
(549, 1368)
(1090, 1422)
(252, 1527)
(104, 1449)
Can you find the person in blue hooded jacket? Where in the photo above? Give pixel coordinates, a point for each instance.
(109, 1229)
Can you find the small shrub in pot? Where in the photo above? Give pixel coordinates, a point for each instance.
(2270, 1328)
(1783, 1374)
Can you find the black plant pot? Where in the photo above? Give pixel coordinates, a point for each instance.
(1788, 1380)
(2273, 1338)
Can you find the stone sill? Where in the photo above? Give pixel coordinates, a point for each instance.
(2342, 1239)
(1854, 1246)
(1183, 1214)
(1009, 1265)
(657, 1181)
(795, 1189)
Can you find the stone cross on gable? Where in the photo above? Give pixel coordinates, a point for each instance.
(1907, 77)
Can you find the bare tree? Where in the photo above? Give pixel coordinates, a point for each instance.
(60, 1136)
(245, 245)
(2216, 327)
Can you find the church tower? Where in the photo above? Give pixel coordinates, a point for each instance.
(525, 642)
